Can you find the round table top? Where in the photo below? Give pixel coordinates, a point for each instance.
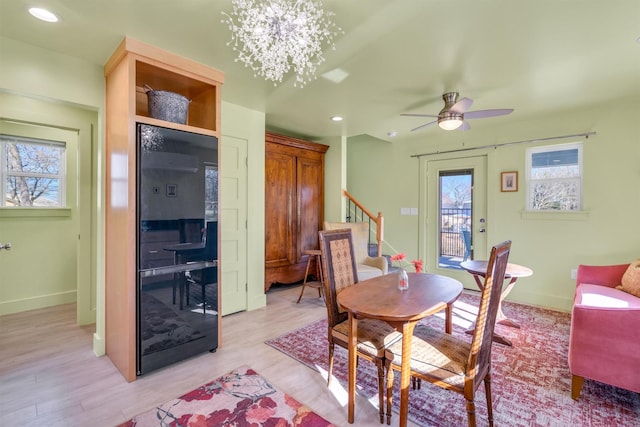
(479, 267)
(380, 298)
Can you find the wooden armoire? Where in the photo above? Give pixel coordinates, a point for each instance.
(294, 205)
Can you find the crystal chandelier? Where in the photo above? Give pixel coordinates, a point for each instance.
(274, 36)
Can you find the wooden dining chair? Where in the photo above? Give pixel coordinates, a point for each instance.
(374, 336)
(451, 362)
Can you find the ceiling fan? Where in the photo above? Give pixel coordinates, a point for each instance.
(454, 113)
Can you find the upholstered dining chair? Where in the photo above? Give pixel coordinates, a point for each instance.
(366, 266)
(451, 362)
(374, 336)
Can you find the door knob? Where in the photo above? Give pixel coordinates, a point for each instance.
(6, 246)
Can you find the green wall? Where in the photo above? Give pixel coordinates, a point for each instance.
(335, 179)
(384, 177)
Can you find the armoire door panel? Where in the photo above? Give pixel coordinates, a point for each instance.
(280, 188)
(310, 182)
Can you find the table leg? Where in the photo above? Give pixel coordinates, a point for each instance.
(448, 322)
(501, 318)
(183, 279)
(353, 341)
(405, 371)
(179, 259)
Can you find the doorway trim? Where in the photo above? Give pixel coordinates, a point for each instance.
(84, 122)
(429, 171)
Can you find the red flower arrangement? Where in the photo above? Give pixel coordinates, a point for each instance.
(400, 257)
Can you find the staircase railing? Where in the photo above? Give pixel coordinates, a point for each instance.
(356, 212)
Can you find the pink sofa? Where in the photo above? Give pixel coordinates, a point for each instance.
(604, 344)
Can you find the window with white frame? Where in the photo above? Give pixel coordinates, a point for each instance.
(211, 192)
(32, 172)
(554, 178)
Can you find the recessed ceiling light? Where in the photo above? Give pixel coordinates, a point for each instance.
(43, 14)
(336, 118)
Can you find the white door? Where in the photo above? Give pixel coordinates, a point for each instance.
(233, 221)
(454, 199)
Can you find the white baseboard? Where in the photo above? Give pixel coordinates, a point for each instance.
(99, 347)
(40, 301)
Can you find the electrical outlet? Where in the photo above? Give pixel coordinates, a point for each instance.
(574, 273)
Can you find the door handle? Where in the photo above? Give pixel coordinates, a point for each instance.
(482, 230)
(6, 246)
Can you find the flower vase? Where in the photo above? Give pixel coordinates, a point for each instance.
(403, 279)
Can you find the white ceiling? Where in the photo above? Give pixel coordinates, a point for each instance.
(538, 56)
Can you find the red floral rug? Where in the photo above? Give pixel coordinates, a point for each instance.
(240, 398)
(531, 382)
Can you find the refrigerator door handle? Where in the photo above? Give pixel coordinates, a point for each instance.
(178, 268)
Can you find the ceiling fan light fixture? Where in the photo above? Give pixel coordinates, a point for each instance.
(450, 123)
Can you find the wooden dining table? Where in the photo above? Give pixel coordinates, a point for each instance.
(379, 298)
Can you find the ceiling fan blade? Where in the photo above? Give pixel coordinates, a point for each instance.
(464, 126)
(424, 125)
(461, 106)
(417, 115)
(479, 114)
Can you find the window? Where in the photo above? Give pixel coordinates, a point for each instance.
(456, 199)
(554, 178)
(211, 192)
(32, 172)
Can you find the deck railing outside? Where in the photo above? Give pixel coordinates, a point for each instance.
(454, 221)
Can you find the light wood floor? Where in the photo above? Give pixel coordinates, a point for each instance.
(49, 375)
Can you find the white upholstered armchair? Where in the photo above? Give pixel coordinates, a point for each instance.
(367, 266)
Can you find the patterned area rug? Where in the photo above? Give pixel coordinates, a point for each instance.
(531, 382)
(240, 398)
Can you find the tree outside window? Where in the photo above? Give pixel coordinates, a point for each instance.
(32, 172)
(554, 178)
(211, 192)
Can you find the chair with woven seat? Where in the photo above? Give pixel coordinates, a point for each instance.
(451, 362)
(374, 336)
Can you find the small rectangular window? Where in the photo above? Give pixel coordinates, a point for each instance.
(32, 172)
(211, 192)
(554, 178)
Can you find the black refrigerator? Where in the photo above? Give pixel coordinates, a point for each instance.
(177, 218)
